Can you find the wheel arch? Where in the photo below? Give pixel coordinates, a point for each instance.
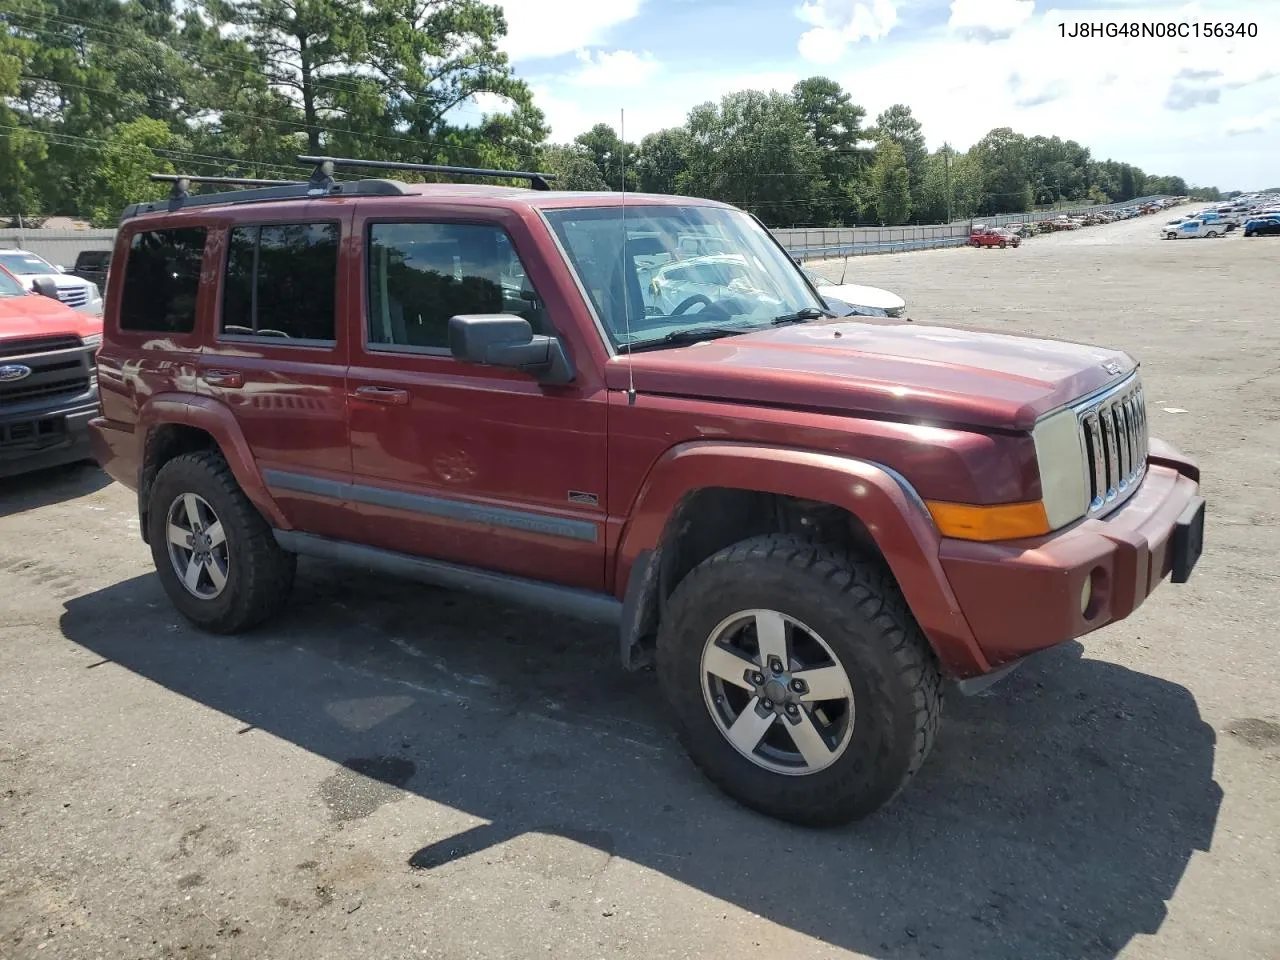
(175, 424)
(704, 495)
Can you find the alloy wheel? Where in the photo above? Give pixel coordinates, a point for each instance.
(777, 692)
(198, 546)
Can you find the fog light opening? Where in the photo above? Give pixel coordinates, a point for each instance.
(1093, 593)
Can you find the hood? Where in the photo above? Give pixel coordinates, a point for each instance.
(37, 316)
(883, 368)
(857, 295)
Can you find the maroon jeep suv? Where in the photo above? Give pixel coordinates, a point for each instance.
(637, 410)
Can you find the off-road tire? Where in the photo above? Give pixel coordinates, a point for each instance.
(260, 573)
(856, 606)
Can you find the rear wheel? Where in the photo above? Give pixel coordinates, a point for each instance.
(1211, 234)
(215, 554)
(798, 681)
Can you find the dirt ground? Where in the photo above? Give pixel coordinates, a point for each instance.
(392, 771)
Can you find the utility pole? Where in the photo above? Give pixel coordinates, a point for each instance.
(946, 171)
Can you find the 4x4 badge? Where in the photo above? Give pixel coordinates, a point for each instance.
(1112, 367)
(14, 371)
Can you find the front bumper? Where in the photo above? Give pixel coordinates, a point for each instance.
(1023, 596)
(50, 439)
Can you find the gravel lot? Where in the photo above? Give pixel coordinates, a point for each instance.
(392, 771)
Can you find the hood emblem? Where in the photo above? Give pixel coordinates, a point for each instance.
(11, 372)
(1112, 367)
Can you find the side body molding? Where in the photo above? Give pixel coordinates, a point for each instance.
(892, 512)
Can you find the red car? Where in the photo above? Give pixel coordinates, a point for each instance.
(991, 237)
(48, 384)
(807, 522)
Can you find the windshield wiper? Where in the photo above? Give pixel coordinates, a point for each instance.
(682, 337)
(800, 316)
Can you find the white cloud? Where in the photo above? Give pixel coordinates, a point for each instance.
(838, 23)
(622, 68)
(540, 28)
(989, 19)
(1259, 122)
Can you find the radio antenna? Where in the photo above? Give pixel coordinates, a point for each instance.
(626, 287)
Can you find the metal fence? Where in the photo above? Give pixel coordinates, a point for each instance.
(810, 243)
(59, 247)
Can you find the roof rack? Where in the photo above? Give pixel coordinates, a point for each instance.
(321, 184)
(538, 181)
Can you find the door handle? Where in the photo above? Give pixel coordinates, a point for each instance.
(223, 378)
(391, 395)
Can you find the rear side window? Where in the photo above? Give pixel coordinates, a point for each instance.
(281, 282)
(161, 280)
(421, 274)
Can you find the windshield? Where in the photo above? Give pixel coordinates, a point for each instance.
(686, 268)
(10, 287)
(23, 263)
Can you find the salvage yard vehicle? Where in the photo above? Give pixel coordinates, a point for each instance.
(859, 295)
(1262, 226)
(1193, 228)
(983, 236)
(30, 268)
(48, 385)
(806, 523)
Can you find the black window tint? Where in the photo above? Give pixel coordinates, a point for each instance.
(421, 274)
(161, 280)
(281, 281)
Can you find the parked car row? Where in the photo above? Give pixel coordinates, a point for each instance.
(48, 372)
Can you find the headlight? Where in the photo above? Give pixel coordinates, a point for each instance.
(1064, 498)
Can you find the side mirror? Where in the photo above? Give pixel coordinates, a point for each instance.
(46, 288)
(505, 340)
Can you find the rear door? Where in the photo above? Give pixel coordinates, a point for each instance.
(277, 358)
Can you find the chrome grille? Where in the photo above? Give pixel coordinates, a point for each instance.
(76, 296)
(1113, 431)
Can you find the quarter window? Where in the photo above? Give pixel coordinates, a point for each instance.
(161, 280)
(281, 281)
(421, 274)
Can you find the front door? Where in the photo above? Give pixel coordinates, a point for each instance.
(470, 464)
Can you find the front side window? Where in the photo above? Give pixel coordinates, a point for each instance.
(281, 281)
(162, 280)
(682, 269)
(421, 274)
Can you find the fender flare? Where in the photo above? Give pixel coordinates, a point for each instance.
(217, 420)
(886, 504)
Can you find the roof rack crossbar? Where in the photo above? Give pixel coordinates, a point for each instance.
(539, 181)
(258, 191)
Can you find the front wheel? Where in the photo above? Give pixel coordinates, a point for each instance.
(798, 680)
(1211, 234)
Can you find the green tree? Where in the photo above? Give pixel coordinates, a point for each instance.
(834, 125)
(751, 150)
(124, 166)
(891, 183)
(572, 166)
(661, 159)
(1003, 158)
(609, 154)
(899, 125)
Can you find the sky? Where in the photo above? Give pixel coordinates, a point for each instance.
(1202, 108)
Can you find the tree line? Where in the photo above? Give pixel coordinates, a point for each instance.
(95, 95)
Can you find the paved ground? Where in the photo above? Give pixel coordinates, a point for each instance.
(392, 771)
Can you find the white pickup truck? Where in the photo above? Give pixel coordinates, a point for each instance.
(1193, 228)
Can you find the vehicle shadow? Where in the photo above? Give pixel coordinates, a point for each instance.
(1054, 818)
(29, 491)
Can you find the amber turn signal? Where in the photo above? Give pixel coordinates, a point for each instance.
(1002, 521)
